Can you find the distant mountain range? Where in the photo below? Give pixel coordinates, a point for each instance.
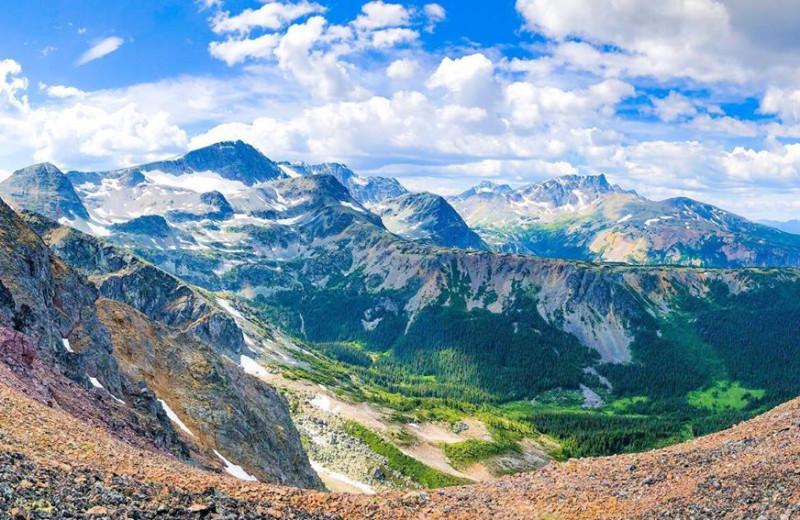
(789, 226)
(586, 218)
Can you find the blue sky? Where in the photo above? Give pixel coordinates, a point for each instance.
(699, 98)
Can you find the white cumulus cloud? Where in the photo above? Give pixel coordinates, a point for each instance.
(272, 16)
(404, 68)
(378, 14)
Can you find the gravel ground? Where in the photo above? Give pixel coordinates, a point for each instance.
(29, 490)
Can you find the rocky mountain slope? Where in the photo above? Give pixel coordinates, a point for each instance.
(750, 471)
(413, 216)
(63, 337)
(427, 217)
(586, 218)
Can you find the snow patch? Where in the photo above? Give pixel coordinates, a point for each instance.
(230, 309)
(174, 417)
(654, 220)
(344, 479)
(351, 206)
(67, 346)
(252, 367)
(199, 182)
(324, 403)
(625, 218)
(290, 221)
(234, 470)
(371, 325)
(291, 172)
(98, 230)
(98, 384)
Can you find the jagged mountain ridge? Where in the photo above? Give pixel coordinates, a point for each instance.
(187, 347)
(366, 190)
(587, 218)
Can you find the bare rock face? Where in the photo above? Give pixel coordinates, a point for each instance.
(15, 345)
(51, 335)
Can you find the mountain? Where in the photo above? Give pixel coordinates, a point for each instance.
(117, 343)
(414, 216)
(587, 218)
(789, 226)
(235, 161)
(428, 217)
(301, 247)
(366, 190)
(45, 189)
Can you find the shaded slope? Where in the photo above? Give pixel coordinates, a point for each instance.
(179, 343)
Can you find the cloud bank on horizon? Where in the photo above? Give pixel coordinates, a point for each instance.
(679, 97)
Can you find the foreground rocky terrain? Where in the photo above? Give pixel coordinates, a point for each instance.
(56, 465)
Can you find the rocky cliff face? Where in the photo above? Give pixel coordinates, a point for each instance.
(56, 347)
(182, 345)
(144, 342)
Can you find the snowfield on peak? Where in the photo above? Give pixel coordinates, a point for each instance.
(198, 182)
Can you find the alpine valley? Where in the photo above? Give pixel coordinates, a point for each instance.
(302, 325)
